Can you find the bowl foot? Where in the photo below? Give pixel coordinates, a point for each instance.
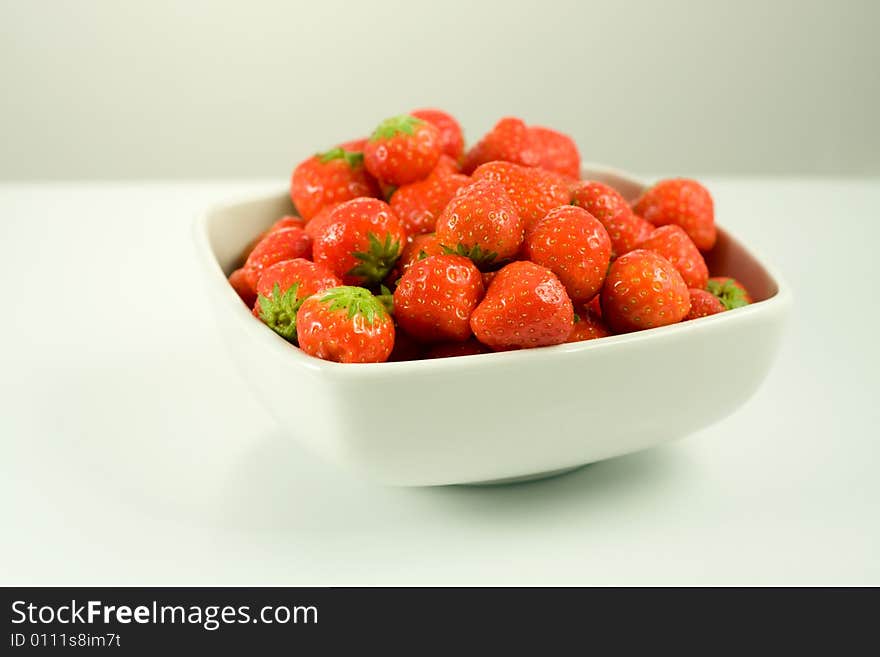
(524, 478)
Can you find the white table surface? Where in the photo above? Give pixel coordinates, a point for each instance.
(134, 454)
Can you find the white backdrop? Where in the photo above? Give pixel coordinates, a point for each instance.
(197, 89)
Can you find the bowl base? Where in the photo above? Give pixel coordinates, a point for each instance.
(522, 479)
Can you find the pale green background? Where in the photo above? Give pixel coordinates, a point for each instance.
(111, 89)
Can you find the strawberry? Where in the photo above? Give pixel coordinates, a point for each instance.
(419, 203)
(606, 204)
(643, 290)
(239, 282)
(284, 244)
(729, 291)
(525, 306)
(556, 151)
(683, 202)
(313, 228)
(405, 348)
(488, 277)
(403, 149)
(345, 324)
(451, 136)
(703, 303)
(359, 241)
(435, 297)
(587, 326)
(282, 289)
(469, 347)
(595, 305)
(481, 223)
(288, 221)
(673, 243)
(534, 192)
(572, 244)
(507, 141)
(329, 178)
(418, 248)
(445, 166)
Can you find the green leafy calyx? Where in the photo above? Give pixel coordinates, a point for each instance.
(377, 260)
(355, 301)
(352, 158)
(729, 293)
(278, 311)
(401, 124)
(480, 257)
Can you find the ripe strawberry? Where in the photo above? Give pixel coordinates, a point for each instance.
(525, 306)
(683, 202)
(403, 149)
(572, 244)
(488, 277)
(445, 166)
(556, 151)
(283, 287)
(451, 137)
(434, 299)
(313, 228)
(703, 303)
(508, 141)
(729, 291)
(239, 282)
(643, 290)
(405, 348)
(534, 192)
(284, 244)
(469, 347)
(588, 326)
(329, 178)
(417, 248)
(606, 204)
(673, 243)
(481, 223)
(595, 305)
(359, 241)
(418, 204)
(345, 324)
(288, 221)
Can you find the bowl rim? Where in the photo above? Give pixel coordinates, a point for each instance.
(240, 313)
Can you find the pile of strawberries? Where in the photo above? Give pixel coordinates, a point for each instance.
(407, 246)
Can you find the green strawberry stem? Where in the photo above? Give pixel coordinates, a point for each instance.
(403, 123)
(377, 261)
(278, 311)
(352, 158)
(481, 258)
(355, 301)
(729, 293)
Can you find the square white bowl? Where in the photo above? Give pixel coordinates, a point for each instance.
(499, 416)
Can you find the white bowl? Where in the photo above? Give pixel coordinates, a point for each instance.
(500, 416)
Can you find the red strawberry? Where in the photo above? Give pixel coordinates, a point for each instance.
(595, 305)
(606, 204)
(488, 277)
(418, 204)
(313, 228)
(405, 348)
(469, 347)
(525, 306)
(703, 304)
(288, 221)
(283, 287)
(284, 244)
(345, 324)
(451, 137)
(683, 202)
(508, 141)
(360, 241)
(329, 178)
(445, 166)
(730, 291)
(572, 244)
(418, 248)
(556, 151)
(673, 243)
(534, 192)
(643, 290)
(435, 297)
(403, 149)
(588, 326)
(481, 222)
(239, 282)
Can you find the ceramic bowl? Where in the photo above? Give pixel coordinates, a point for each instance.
(501, 416)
